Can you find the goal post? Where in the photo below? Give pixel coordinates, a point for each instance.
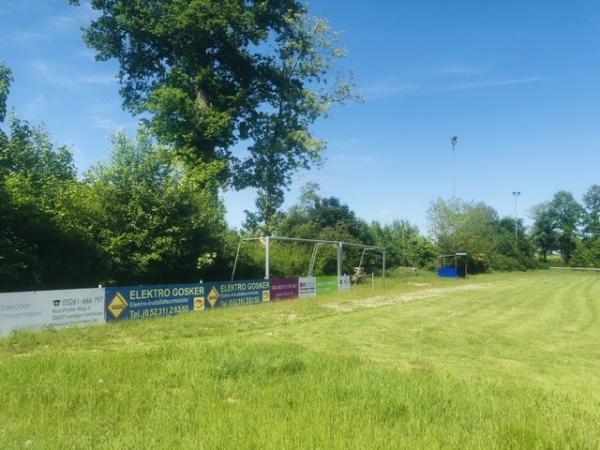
(267, 240)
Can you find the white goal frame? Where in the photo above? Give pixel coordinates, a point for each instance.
(266, 240)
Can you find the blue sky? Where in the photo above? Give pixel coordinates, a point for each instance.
(518, 82)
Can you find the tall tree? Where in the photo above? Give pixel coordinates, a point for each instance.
(462, 226)
(209, 73)
(5, 81)
(192, 64)
(566, 214)
(543, 232)
(591, 216)
(281, 141)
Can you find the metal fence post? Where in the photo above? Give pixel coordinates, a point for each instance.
(267, 257)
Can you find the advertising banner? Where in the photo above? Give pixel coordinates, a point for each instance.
(36, 309)
(284, 288)
(143, 302)
(326, 285)
(307, 287)
(230, 293)
(344, 283)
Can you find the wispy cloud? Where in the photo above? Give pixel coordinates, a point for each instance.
(72, 81)
(387, 88)
(51, 27)
(490, 83)
(465, 70)
(103, 115)
(105, 123)
(436, 86)
(33, 107)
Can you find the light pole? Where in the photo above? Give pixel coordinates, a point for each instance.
(516, 196)
(453, 141)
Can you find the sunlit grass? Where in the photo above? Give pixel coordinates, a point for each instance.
(496, 361)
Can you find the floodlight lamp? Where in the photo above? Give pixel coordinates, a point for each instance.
(454, 140)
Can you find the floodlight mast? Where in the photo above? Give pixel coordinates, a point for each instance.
(516, 195)
(453, 141)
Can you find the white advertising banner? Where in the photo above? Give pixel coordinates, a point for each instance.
(37, 309)
(344, 283)
(307, 287)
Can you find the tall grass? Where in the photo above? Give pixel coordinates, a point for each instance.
(499, 361)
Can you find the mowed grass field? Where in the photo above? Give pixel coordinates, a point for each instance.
(494, 361)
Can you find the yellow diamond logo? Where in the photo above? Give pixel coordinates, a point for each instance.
(266, 296)
(198, 303)
(117, 305)
(213, 296)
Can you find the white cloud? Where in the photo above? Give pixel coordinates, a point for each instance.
(387, 88)
(465, 70)
(52, 25)
(72, 81)
(110, 125)
(32, 108)
(490, 83)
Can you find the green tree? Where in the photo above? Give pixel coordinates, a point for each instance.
(156, 220)
(403, 243)
(591, 215)
(315, 217)
(543, 232)
(566, 214)
(476, 229)
(193, 65)
(5, 81)
(209, 73)
(281, 141)
(587, 252)
(512, 253)
(458, 226)
(42, 243)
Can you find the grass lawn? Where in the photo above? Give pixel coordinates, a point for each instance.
(494, 361)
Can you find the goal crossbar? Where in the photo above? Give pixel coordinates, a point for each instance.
(266, 240)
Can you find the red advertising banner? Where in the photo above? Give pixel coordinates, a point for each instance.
(284, 288)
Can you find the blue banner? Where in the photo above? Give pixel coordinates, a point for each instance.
(230, 293)
(143, 302)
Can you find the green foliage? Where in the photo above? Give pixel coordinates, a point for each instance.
(566, 214)
(328, 219)
(543, 234)
(211, 73)
(279, 131)
(476, 229)
(556, 225)
(42, 242)
(5, 80)
(194, 65)
(404, 245)
(155, 221)
(591, 214)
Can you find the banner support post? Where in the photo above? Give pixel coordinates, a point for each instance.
(267, 257)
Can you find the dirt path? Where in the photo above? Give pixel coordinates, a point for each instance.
(422, 294)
